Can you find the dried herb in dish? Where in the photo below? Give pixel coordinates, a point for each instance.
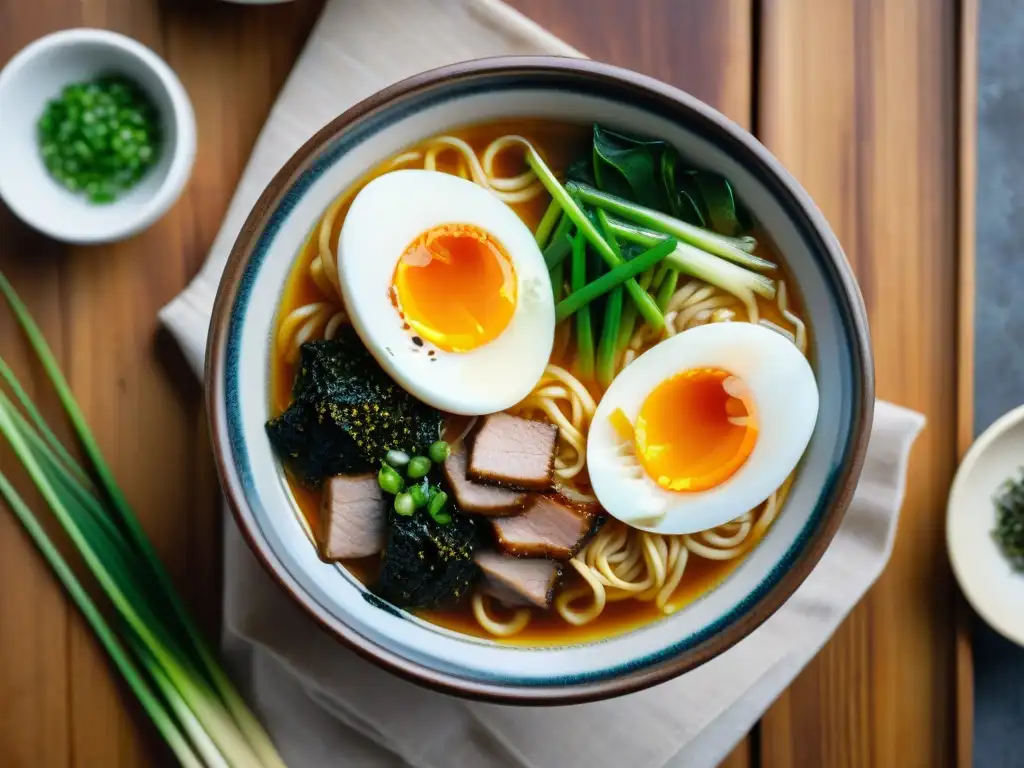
(1009, 530)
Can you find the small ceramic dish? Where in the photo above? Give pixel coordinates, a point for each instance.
(994, 590)
(36, 75)
(240, 348)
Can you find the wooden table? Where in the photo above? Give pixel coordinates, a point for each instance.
(859, 98)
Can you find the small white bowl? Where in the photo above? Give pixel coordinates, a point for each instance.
(985, 576)
(36, 75)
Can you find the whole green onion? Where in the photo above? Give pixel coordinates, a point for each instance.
(154, 643)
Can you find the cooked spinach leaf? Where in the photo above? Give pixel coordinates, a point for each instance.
(630, 167)
(651, 172)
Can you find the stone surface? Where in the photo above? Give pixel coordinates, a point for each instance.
(999, 336)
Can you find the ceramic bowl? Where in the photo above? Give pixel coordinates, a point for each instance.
(36, 75)
(994, 590)
(567, 90)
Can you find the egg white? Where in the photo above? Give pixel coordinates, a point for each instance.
(386, 216)
(785, 396)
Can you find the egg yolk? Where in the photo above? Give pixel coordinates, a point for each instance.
(695, 430)
(456, 287)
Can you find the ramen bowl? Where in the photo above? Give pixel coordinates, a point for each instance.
(239, 386)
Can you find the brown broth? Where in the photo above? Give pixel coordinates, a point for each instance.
(560, 143)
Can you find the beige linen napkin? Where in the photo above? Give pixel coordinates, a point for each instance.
(325, 706)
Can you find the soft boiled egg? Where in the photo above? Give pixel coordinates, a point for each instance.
(701, 428)
(447, 288)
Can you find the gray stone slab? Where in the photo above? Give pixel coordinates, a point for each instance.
(999, 336)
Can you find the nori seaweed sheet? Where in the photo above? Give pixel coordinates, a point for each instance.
(427, 564)
(347, 413)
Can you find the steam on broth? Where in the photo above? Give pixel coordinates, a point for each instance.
(600, 571)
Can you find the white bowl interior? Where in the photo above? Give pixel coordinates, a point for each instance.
(37, 75)
(276, 515)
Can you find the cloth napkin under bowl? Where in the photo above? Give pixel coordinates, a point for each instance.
(322, 704)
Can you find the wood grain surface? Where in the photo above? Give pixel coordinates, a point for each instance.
(966, 190)
(865, 116)
(858, 99)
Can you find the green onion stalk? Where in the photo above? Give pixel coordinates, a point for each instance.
(155, 645)
(738, 250)
(692, 261)
(585, 227)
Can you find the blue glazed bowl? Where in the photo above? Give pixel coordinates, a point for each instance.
(238, 379)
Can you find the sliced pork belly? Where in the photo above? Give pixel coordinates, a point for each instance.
(353, 517)
(517, 581)
(546, 528)
(478, 498)
(514, 452)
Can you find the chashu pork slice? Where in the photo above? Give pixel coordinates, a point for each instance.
(353, 517)
(477, 498)
(518, 581)
(546, 528)
(514, 452)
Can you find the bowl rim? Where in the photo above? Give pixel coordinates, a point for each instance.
(965, 574)
(673, 101)
(182, 117)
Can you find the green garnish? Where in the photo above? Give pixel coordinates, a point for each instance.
(694, 262)
(439, 452)
(389, 480)
(99, 138)
(645, 304)
(420, 496)
(435, 508)
(667, 288)
(608, 344)
(405, 505)
(557, 275)
(397, 459)
(547, 223)
(1009, 531)
(734, 249)
(584, 331)
(580, 297)
(628, 322)
(559, 246)
(153, 641)
(419, 466)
